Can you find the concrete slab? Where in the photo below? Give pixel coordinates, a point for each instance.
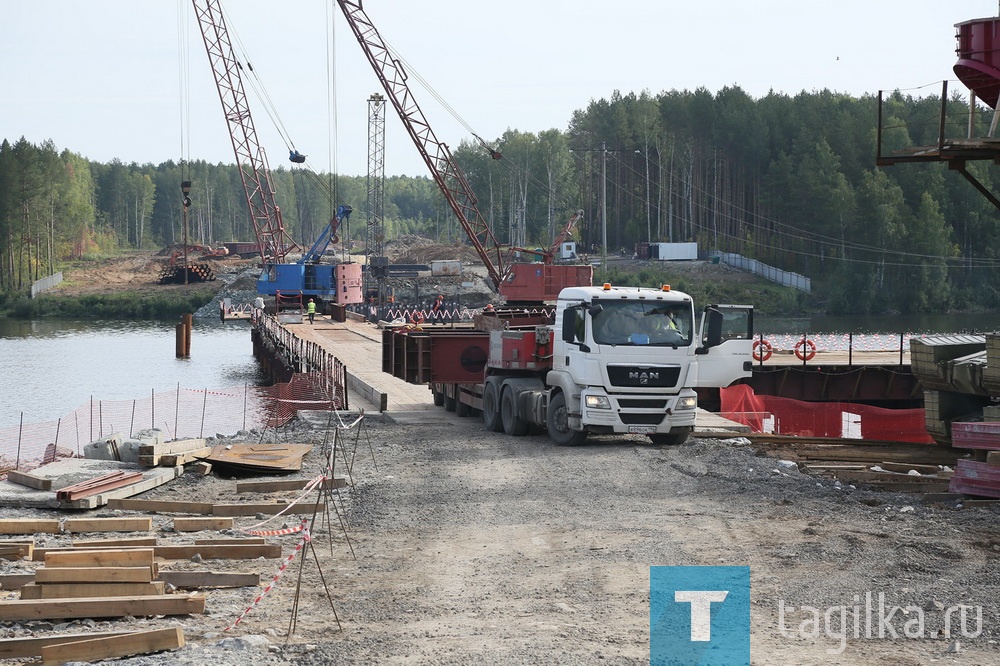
(67, 471)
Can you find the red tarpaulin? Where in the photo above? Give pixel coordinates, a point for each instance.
(784, 416)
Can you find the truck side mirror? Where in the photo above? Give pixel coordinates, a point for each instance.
(713, 335)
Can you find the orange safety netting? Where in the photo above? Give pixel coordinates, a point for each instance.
(179, 413)
(785, 416)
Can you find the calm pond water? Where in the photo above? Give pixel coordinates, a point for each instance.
(52, 366)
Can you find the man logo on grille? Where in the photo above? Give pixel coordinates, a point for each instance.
(643, 377)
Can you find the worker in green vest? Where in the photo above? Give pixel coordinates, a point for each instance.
(311, 310)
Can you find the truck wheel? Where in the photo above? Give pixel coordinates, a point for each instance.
(670, 438)
(438, 398)
(450, 403)
(491, 408)
(513, 424)
(462, 409)
(558, 423)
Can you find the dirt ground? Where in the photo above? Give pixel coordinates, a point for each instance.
(472, 546)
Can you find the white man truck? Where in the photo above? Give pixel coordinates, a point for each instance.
(608, 360)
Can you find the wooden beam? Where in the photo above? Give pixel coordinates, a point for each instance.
(179, 446)
(29, 480)
(230, 542)
(94, 575)
(269, 509)
(130, 524)
(100, 558)
(88, 590)
(110, 647)
(187, 580)
(160, 506)
(231, 552)
(28, 526)
(201, 467)
(141, 606)
(174, 459)
(14, 648)
(105, 543)
(15, 582)
(199, 524)
(11, 550)
(286, 484)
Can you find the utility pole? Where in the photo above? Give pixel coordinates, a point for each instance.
(604, 206)
(649, 225)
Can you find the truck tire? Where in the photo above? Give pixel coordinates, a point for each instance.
(556, 418)
(438, 397)
(462, 409)
(674, 438)
(450, 403)
(513, 424)
(491, 408)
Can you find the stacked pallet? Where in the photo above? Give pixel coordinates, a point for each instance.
(979, 477)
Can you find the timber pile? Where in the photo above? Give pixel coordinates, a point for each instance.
(195, 273)
(172, 454)
(97, 583)
(892, 466)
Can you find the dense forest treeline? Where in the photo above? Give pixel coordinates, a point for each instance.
(788, 180)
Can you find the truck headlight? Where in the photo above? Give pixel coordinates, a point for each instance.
(689, 402)
(598, 402)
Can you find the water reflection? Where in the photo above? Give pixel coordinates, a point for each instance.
(52, 366)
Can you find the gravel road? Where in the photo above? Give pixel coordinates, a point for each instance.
(475, 547)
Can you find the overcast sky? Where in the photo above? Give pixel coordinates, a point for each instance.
(103, 78)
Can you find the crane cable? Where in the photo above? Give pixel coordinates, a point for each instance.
(256, 84)
(183, 82)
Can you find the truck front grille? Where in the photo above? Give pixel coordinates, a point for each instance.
(644, 375)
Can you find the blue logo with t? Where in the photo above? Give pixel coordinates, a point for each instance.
(699, 616)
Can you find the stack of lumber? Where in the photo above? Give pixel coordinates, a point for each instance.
(97, 583)
(99, 484)
(172, 454)
(891, 476)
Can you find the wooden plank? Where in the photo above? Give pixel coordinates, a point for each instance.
(231, 552)
(187, 580)
(286, 484)
(229, 542)
(141, 606)
(110, 647)
(269, 509)
(29, 480)
(94, 575)
(174, 459)
(100, 558)
(199, 524)
(129, 524)
(15, 582)
(14, 551)
(201, 467)
(993, 458)
(87, 590)
(14, 648)
(28, 526)
(160, 506)
(112, 543)
(178, 446)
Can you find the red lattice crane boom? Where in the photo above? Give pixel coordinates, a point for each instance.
(274, 242)
(498, 258)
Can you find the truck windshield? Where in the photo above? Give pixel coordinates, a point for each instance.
(643, 323)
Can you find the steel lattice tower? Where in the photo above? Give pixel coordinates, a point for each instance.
(375, 231)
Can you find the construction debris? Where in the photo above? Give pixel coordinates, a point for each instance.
(260, 457)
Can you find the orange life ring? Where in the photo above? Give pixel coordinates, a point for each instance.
(810, 347)
(417, 318)
(762, 350)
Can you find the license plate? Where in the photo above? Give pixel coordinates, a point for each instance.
(642, 430)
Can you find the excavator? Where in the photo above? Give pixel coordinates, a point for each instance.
(517, 282)
(289, 282)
